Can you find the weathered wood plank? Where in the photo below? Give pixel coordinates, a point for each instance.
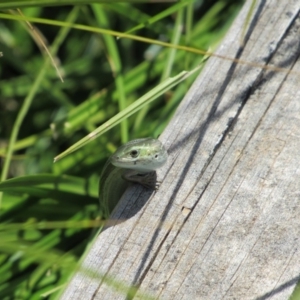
(225, 222)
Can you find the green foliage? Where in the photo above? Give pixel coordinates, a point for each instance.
(49, 211)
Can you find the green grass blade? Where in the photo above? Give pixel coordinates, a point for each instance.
(130, 110)
(29, 3)
(28, 100)
(116, 65)
(41, 184)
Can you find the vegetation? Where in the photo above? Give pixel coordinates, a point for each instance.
(49, 211)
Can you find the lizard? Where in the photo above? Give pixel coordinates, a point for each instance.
(135, 161)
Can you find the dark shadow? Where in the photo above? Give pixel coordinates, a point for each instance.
(285, 285)
(122, 211)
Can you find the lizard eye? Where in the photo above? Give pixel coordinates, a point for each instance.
(134, 153)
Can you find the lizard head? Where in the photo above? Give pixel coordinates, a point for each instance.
(143, 155)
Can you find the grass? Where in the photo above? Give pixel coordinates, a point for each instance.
(133, 84)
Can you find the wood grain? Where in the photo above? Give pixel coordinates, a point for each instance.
(225, 222)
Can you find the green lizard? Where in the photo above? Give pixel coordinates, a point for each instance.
(135, 161)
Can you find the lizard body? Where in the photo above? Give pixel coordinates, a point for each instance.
(135, 161)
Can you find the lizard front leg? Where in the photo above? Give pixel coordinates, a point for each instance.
(148, 180)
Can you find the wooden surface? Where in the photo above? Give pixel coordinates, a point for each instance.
(225, 223)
